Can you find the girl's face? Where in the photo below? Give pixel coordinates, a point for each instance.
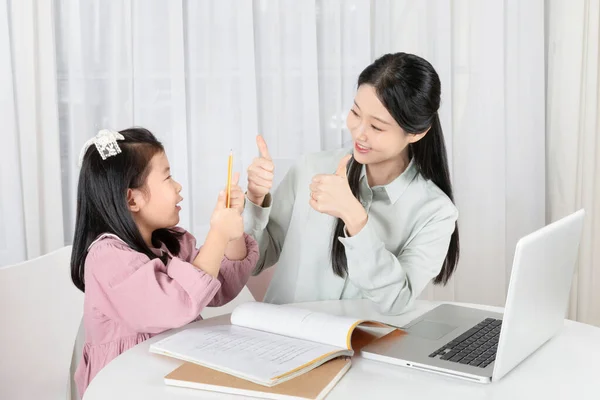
(377, 137)
(156, 205)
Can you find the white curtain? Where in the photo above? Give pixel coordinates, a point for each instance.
(207, 76)
(490, 57)
(31, 217)
(573, 106)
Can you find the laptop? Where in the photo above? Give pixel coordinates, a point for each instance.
(483, 346)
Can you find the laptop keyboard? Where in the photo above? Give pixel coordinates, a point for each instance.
(476, 347)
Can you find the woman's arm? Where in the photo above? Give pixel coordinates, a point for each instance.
(269, 224)
(393, 281)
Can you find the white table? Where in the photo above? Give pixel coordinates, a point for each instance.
(567, 367)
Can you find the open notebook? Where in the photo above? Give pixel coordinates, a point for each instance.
(268, 344)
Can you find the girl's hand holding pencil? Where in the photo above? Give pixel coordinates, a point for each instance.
(236, 194)
(227, 221)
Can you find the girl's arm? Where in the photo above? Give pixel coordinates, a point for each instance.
(234, 274)
(236, 249)
(143, 293)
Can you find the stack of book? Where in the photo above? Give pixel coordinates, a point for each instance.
(267, 351)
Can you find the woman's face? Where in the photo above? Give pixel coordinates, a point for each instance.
(376, 135)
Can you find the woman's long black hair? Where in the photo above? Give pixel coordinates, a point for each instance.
(409, 88)
(102, 199)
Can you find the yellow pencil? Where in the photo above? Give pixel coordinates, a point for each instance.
(229, 168)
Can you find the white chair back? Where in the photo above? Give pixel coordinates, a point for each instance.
(40, 312)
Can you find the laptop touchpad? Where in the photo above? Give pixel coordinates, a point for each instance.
(430, 329)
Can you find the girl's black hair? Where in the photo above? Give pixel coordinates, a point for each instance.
(102, 199)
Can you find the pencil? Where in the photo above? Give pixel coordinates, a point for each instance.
(229, 167)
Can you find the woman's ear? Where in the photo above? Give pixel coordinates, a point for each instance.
(135, 200)
(418, 136)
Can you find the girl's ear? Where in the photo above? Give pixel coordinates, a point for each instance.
(135, 200)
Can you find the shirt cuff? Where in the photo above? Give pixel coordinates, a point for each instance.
(256, 217)
(364, 242)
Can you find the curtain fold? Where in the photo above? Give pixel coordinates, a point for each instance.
(31, 221)
(573, 147)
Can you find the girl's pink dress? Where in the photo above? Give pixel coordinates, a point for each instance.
(130, 298)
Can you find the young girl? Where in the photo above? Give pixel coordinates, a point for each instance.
(141, 275)
(375, 222)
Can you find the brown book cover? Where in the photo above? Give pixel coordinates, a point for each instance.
(315, 384)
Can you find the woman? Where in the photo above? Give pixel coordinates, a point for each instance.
(375, 222)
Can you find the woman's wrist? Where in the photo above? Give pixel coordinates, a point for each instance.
(355, 219)
(256, 200)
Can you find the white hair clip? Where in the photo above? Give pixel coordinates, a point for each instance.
(106, 143)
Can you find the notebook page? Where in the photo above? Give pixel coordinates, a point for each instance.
(254, 355)
(295, 322)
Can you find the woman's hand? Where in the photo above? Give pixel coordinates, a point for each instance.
(260, 174)
(331, 194)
